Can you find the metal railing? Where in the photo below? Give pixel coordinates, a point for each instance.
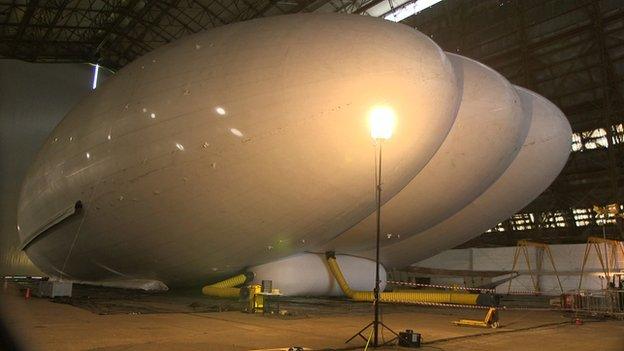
(609, 302)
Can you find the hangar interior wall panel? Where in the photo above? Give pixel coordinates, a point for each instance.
(449, 259)
(33, 100)
(568, 260)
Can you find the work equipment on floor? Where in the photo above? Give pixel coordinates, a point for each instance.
(408, 296)
(490, 320)
(255, 301)
(255, 298)
(409, 339)
(267, 286)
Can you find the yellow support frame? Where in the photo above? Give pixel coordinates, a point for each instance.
(608, 266)
(523, 247)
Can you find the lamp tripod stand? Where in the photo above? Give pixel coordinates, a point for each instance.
(376, 323)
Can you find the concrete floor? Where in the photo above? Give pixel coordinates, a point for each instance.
(46, 325)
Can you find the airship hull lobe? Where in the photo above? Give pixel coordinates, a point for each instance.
(544, 153)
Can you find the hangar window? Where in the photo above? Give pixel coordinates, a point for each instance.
(497, 229)
(597, 138)
(408, 8)
(604, 219)
(617, 133)
(577, 143)
(522, 221)
(582, 216)
(553, 219)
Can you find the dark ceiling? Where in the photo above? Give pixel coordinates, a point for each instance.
(115, 32)
(570, 51)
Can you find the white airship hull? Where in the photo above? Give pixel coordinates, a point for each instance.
(250, 143)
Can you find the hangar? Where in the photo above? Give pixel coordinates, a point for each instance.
(435, 174)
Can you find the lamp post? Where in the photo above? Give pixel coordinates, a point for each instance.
(382, 125)
(381, 121)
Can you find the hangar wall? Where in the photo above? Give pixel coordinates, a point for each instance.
(568, 261)
(33, 100)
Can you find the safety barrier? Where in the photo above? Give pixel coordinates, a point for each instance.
(438, 286)
(609, 302)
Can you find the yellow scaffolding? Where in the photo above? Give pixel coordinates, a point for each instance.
(523, 247)
(607, 262)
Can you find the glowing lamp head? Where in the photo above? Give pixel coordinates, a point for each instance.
(381, 122)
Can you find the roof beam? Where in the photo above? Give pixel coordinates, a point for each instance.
(28, 15)
(369, 5)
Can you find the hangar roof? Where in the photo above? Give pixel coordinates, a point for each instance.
(115, 32)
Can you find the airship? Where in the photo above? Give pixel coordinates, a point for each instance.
(247, 148)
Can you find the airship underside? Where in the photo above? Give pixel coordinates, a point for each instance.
(248, 147)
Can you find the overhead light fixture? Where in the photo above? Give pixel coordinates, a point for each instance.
(96, 71)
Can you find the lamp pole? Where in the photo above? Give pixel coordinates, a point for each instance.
(377, 281)
(382, 125)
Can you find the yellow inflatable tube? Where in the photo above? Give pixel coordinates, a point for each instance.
(407, 296)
